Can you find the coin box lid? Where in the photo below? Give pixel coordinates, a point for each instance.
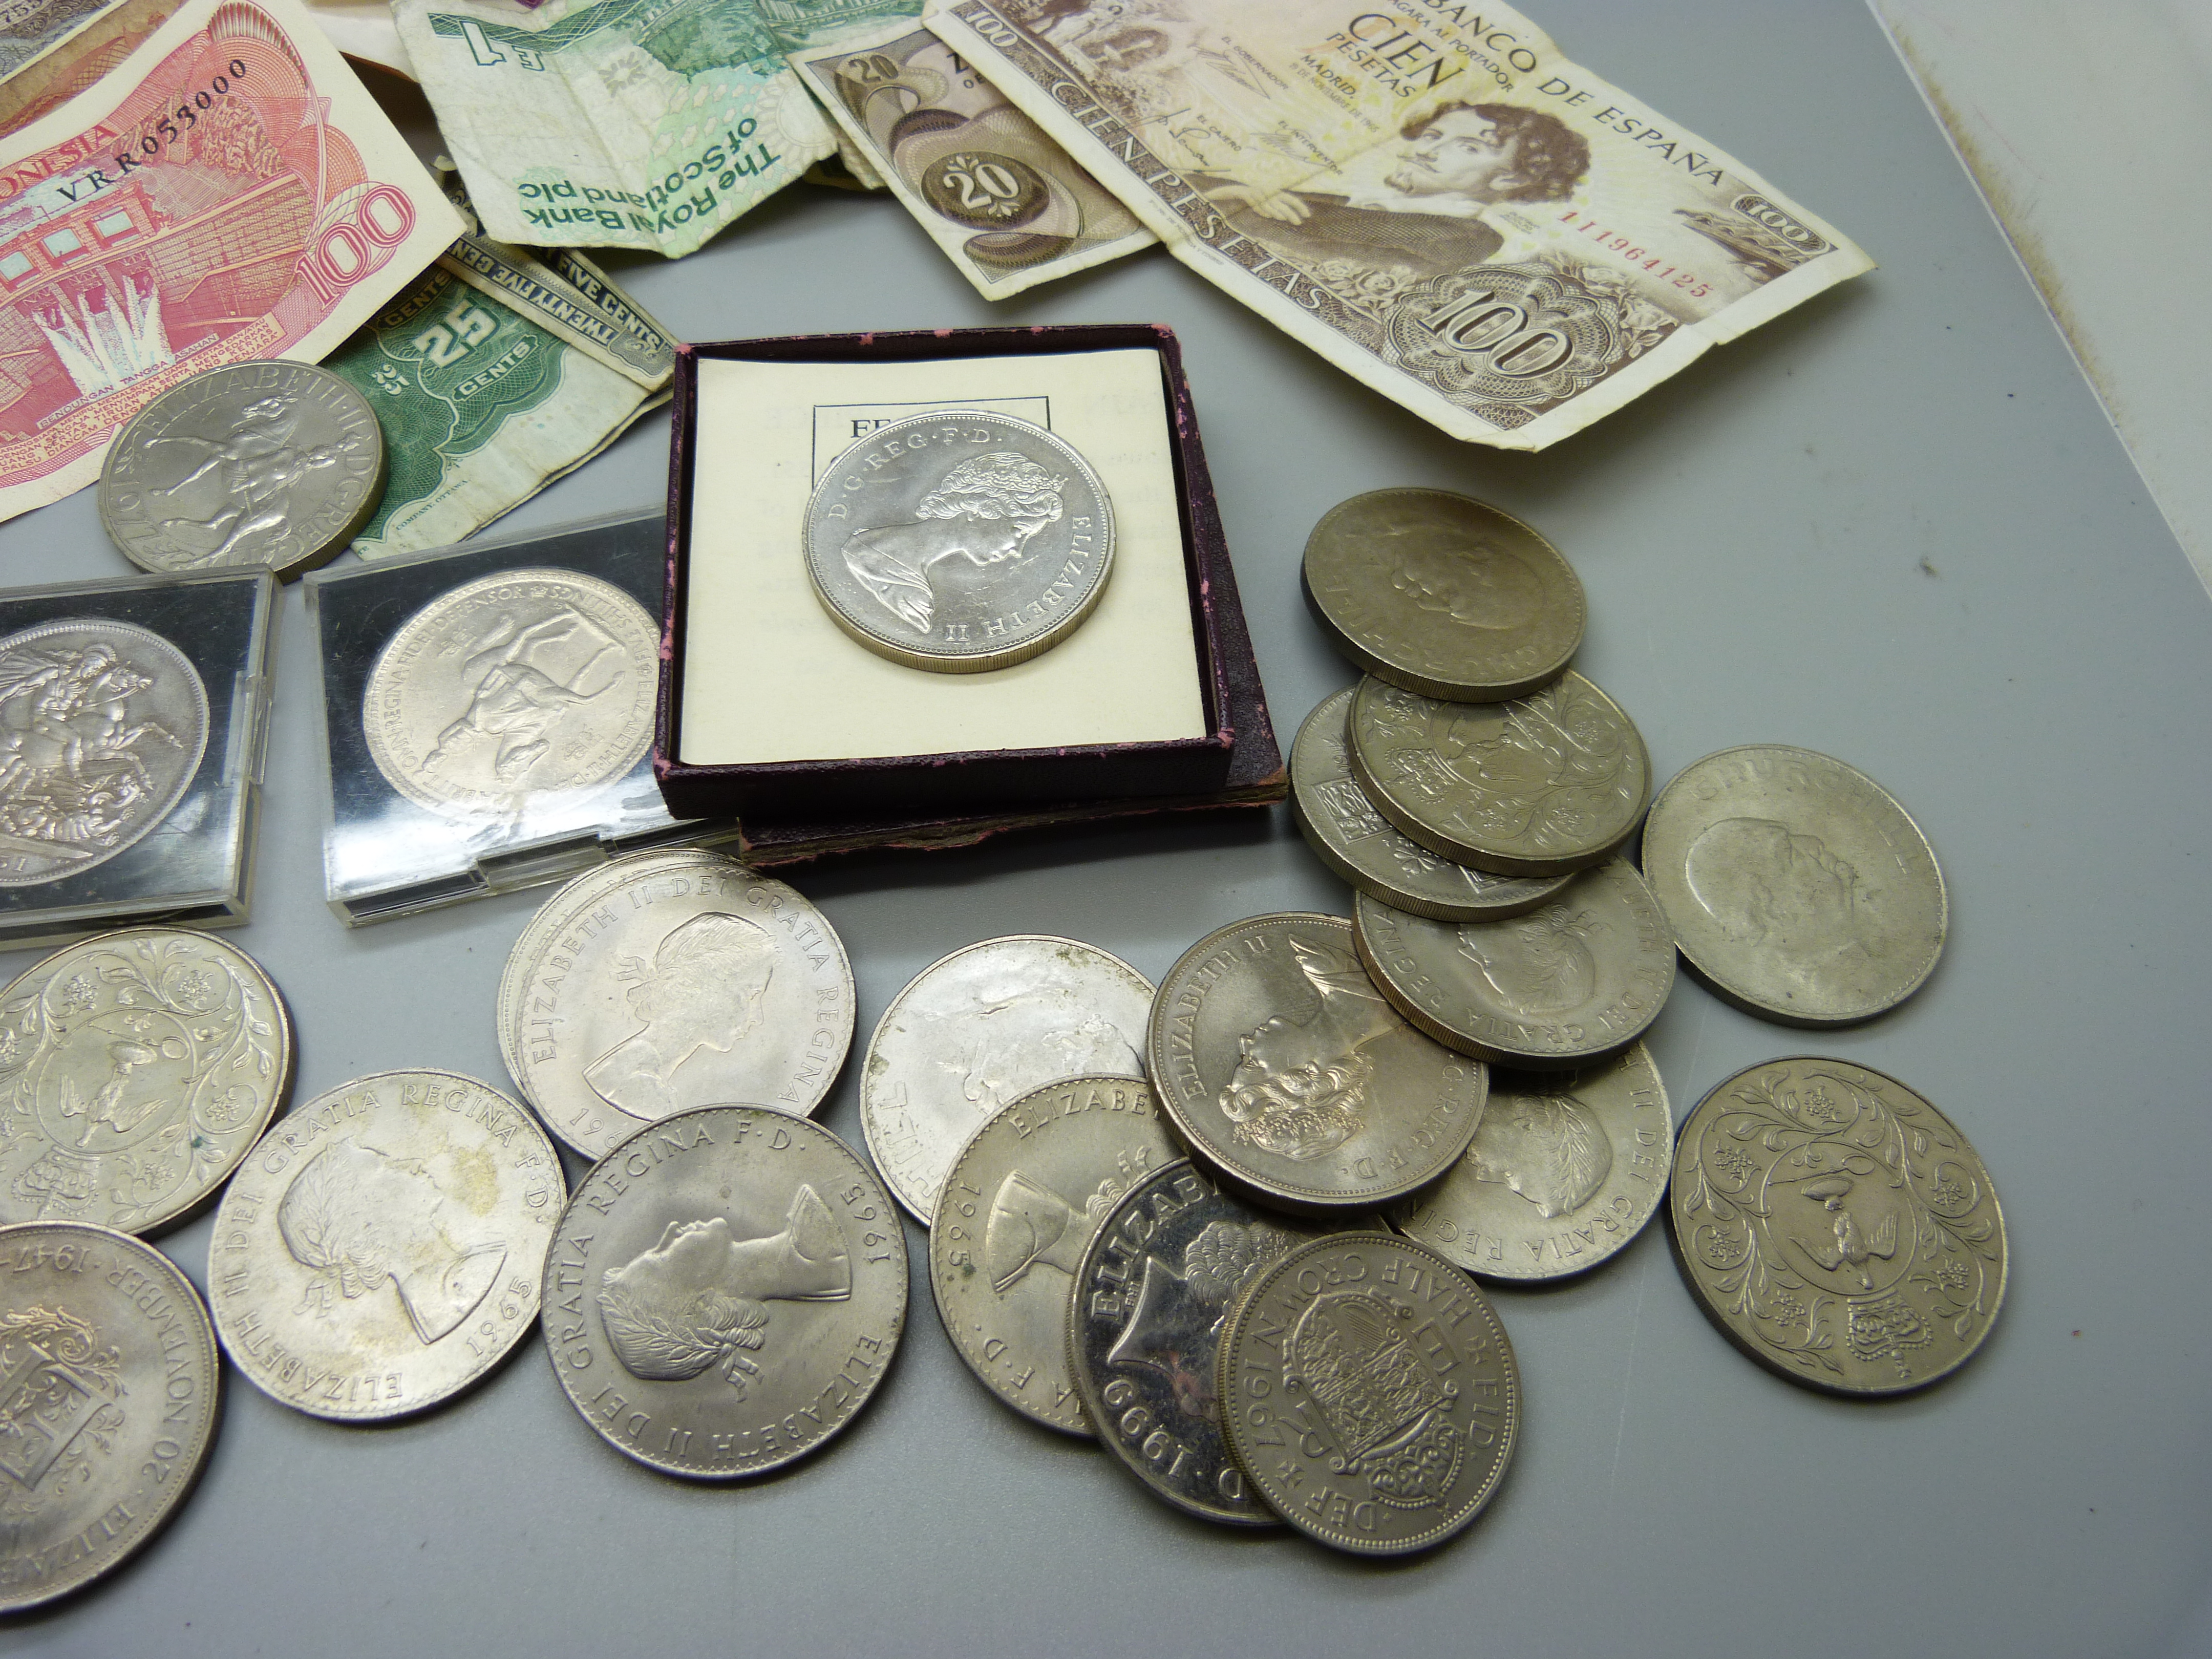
(801, 808)
(386, 855)
(75, 757)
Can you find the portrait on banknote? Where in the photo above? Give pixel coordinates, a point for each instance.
(1445, 206)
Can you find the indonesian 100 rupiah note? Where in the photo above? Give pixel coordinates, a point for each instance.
(1431, 196)
(226, 192)
(644, 124)
(1008, 206)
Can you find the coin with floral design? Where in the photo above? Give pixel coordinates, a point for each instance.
(1837, 1227)
(136, 1070)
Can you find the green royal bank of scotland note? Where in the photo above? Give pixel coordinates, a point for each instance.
(645, 124)
(481, 409)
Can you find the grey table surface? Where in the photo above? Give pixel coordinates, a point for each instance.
(1893, 525)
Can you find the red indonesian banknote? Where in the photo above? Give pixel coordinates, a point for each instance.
(229, 192)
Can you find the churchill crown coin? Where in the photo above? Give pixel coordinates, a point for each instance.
(1797, 886)
(1444, 595)
(959, 541)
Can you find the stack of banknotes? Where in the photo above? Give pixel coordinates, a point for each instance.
(1444, 206)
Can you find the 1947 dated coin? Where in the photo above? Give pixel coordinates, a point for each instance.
(517, 684)
(1566, 1170)
(981, 1028)
(1837, 1228)
(663, 985)
(1369, 1393)
(381, 1249)
(274, 466)
(1015, 1210)
(1563, 985)
(137, 1069)
(959, 541)
(1360, 845)
(102, 727)
(114, 1389)
(1548, 783)
(1287, 1071)
(1797, 886)
(725, 1292)
(1154, 1291)
(1444, 595)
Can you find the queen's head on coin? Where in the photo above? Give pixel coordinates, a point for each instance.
(358, 1219)
(1548, 1148)
(702, 989)
(695, 1299)
(1300, 1086)
(984, 510)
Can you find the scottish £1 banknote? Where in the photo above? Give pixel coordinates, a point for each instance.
(1432, 195)
(644, 124)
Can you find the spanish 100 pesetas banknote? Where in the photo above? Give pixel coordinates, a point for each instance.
(226, 192)
(1431, 196)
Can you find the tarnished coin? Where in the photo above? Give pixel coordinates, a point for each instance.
(1561, 987)
(1286, 1071)
(1442, 594)
(382, 1249)
(136, 1070)
(959, 541)
(518, 683)
(662, 985)
(1546, 784)
(273, 465)
(1369, 1393)
(1359, 845)
(1014, 1216)
(112, 1388)
(102, 726)
(545, 921)
(1566, 1169)
(1152, 1297)
(1797, 886)
(725, 1291)
(981, 1028)
(1837, 1227)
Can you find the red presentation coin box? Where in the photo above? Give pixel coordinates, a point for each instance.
(870, 800)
